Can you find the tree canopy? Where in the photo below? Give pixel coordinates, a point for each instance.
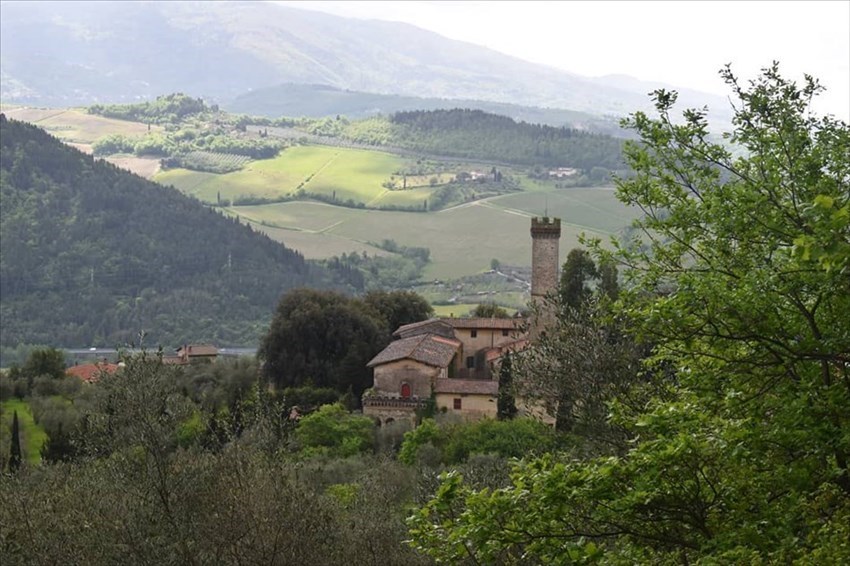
(325, 338)
(741, 282)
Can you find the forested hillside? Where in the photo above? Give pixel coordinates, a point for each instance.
(322, 101)
(92, 255)
(474, 134)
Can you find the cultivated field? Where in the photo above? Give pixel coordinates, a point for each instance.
(145, 167)
(71, 125)
(334, 172)
(463, 239)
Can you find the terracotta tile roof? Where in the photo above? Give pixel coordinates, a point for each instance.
(432, 326)
(467, 386)
(498, 351)
(428, 349)
(90, 373)
(485, 323)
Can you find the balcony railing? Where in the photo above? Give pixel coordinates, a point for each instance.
(394, 402)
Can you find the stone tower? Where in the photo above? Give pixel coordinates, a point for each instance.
(545, 235)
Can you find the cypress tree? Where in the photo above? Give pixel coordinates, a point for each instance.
(505, 403)
(15, 455)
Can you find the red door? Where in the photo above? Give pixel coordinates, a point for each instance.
(405, 391)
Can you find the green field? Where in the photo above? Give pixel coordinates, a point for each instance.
(32, 435)
(453, 310)
(340, 173)
(462, 239)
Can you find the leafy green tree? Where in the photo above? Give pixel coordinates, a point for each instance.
(333, 431)
(48, 362)
(744, 290)
(426, 433)
(609, 286)
(582, 364)
(58, 447)
(576, 275)
(398, 308)
(489, 310)
(323, 339)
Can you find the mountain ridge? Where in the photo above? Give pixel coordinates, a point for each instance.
(61, 55)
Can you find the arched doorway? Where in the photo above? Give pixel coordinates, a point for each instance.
(405, 391)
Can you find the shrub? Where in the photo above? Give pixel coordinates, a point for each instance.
(333, 431)
(426, 433)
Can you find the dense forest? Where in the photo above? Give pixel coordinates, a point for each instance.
(474, 134)
(92, 255)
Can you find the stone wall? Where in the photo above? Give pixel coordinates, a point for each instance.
(472, 406)
(389, 378)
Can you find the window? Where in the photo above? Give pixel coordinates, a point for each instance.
(457, 404)
(405, 391)
(470, 362)
(504, 332)
(473, 333)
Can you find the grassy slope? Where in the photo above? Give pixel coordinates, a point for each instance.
(33, 436)
(354, 174)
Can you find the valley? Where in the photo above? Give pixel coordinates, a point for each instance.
(327, 195)
(418, 283)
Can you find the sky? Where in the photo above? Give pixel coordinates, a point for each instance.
(683, 43)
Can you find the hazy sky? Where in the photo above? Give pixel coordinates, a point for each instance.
(682, 43)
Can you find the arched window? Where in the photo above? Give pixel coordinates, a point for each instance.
(405, 391)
